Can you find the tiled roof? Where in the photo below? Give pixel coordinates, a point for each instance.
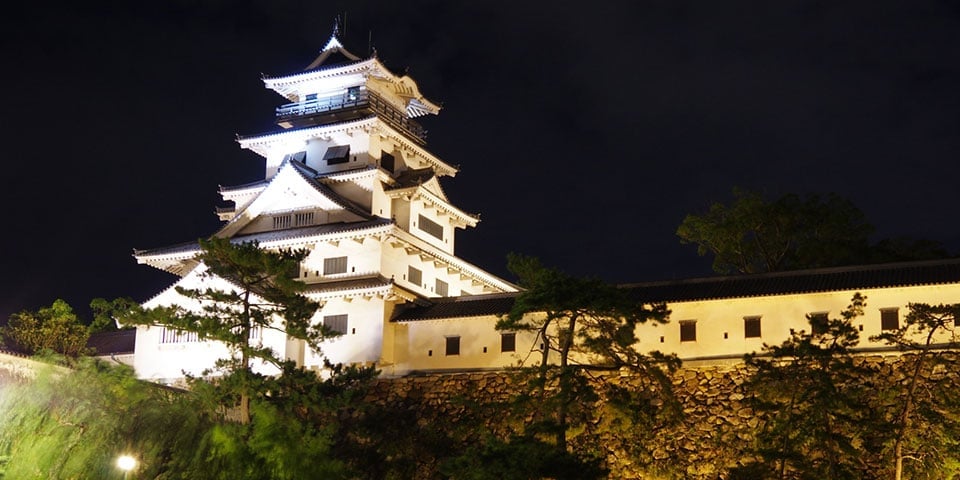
(231, 188)
(801, 281)
(412, 178)
(275, 235)
(458, 307)
(113, 343)
(714, 288)
(348, 284)
(310, 175)
(281, 131)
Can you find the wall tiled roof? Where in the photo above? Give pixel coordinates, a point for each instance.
(801, 281)
(113, 343)
(458, 307)
(714, 288)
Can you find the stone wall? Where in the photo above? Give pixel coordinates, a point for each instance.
(715, 424)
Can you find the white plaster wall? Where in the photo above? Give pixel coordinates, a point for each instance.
(381, 205)
(779, 314)
(363, 259)
(353, 192)
(167, 362)
(363, 341)
(358, 140)
(418, 208)
(421, 345)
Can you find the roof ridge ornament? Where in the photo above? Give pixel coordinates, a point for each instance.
(333, 45)
(334, 41)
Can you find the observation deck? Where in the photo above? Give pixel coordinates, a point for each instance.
(356, 103)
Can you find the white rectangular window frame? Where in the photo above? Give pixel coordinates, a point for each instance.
(334, 265)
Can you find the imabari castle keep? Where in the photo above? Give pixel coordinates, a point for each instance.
(349, 178)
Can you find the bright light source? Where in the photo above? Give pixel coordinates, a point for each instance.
(126, 463)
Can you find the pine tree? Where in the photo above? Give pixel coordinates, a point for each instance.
(926, 406)
(262, 295)
(811, 402)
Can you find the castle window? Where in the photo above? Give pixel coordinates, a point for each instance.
(334, 265)
(453, 345)
(889, 319)
(337, 323)
(302, 219)
(688, 330)
(293, 270)
(337, 154)
(299, 157)
(282, 221)
(751, 327)
(353, 93)
(818, 323)
(387, 162)
(173, 335)
(442, 288)
(508, 342)
(431, 227)
(415, 276)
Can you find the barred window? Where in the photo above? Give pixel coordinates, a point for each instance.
(431, 227)
(334, 265)
(415, 276)
(337, 323)
(442, 288)
(173, 335)
(303, 219)
(282, 221)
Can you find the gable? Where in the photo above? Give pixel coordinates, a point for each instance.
(433, 186)
(292, 200)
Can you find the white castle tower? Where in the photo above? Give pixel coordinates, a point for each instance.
(349, 179)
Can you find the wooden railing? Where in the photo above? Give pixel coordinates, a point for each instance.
(354, 100)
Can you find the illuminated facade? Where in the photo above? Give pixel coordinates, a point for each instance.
(348, 177)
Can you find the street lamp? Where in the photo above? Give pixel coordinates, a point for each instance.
(126, 463)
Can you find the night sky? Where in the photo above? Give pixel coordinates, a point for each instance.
(584, 131)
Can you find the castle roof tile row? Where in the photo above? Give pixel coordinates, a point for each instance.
(861, 277)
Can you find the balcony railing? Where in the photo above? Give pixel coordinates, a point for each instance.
(352, 101)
